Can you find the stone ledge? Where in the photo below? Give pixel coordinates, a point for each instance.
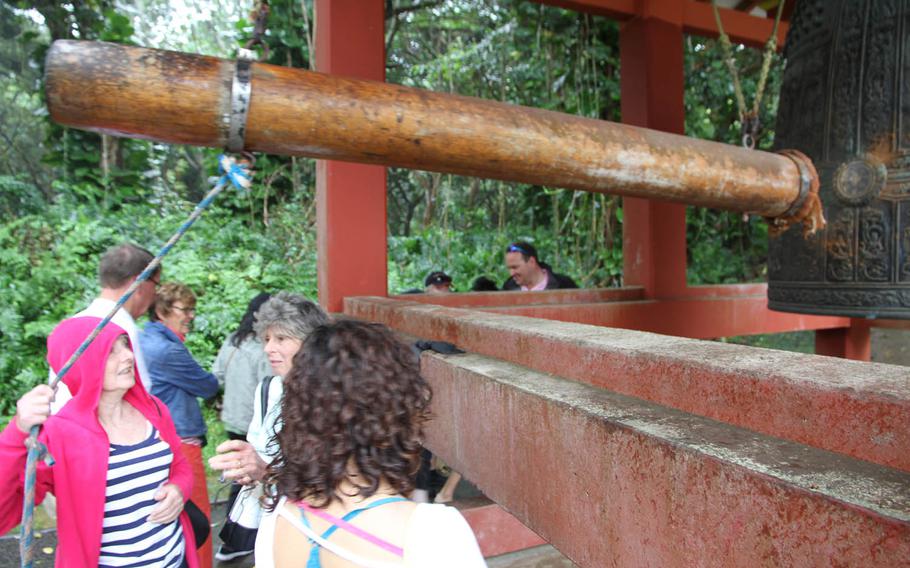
(858, 409)
(615, 481)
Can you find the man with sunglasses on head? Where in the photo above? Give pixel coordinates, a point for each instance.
(119, 267)
(528, 273)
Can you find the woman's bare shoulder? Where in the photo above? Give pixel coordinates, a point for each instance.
(290, 543)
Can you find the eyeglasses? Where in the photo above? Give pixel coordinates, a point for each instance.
(516, 248)
(190, 311)
(155, 282)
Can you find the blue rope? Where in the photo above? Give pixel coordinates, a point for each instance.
(234, 173)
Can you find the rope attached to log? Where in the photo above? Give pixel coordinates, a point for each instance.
(232, 172)
(807, 207)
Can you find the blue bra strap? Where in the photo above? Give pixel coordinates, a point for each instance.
(352, 514)
(313, 560)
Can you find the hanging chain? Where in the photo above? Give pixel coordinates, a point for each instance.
(750, 123)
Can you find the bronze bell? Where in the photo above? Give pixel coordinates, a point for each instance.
(845, 102)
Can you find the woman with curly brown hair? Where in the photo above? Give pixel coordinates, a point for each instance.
(353, 411)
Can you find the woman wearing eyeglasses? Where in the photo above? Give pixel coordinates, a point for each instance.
(178, 380)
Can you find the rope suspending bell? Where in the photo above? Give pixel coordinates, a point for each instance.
(233, 172)
(750, 123)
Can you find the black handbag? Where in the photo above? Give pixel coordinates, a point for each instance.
(200, 523)
(242, 521)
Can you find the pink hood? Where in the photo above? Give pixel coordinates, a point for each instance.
(85, 378)
(80, 447)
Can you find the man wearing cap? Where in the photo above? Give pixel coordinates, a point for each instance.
(528, 273)
(437, 283)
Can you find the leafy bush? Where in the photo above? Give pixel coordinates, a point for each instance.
(48, 267)
(466, 255)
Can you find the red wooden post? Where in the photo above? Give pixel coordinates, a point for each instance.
(654, 232)
(350, 198)
(852, 342)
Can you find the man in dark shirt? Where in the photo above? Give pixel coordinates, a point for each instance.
(529, 273)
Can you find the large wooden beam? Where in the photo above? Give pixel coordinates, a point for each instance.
(180, 98)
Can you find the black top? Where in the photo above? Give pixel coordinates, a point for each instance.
(554, 281)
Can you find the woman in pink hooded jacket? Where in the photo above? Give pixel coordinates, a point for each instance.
(118, 474)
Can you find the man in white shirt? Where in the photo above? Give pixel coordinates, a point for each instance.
(119, 267)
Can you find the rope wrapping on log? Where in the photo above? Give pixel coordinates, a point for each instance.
(807, 209)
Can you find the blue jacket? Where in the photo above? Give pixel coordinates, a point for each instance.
(177, 379)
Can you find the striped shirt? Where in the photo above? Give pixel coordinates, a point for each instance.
(134, 475)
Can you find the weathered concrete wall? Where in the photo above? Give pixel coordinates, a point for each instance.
(697, 317)
(615, 481)
(858, 409)
(543, 297)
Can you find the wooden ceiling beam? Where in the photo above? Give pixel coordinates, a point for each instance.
(619, 10)
(740, 26)
(698, 18)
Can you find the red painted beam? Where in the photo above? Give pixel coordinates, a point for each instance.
(726, 290)
(697, 18)
(576, 296)
(858, 409)
(614, 9)
(703, 317)
(740, 26)
(498, 532)
(890, 323)
(545, 297)
(350, 198)
(614, 481)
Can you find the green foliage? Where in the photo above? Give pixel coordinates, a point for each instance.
(49, 262)
(467, 255)
(798, 341)
(723, 247)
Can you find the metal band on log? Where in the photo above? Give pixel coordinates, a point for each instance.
(186, 99)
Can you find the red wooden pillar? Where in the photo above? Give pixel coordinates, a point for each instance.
(350, 198)
(652, 89)
(854, 342)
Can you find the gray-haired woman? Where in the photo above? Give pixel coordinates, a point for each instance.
(282, 323)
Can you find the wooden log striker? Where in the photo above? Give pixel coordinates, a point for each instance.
(186, 99)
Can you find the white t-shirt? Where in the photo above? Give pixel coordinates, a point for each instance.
(437, 536)
(99, 308)
(260, 432)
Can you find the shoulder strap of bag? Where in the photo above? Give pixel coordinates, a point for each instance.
(264, 397)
